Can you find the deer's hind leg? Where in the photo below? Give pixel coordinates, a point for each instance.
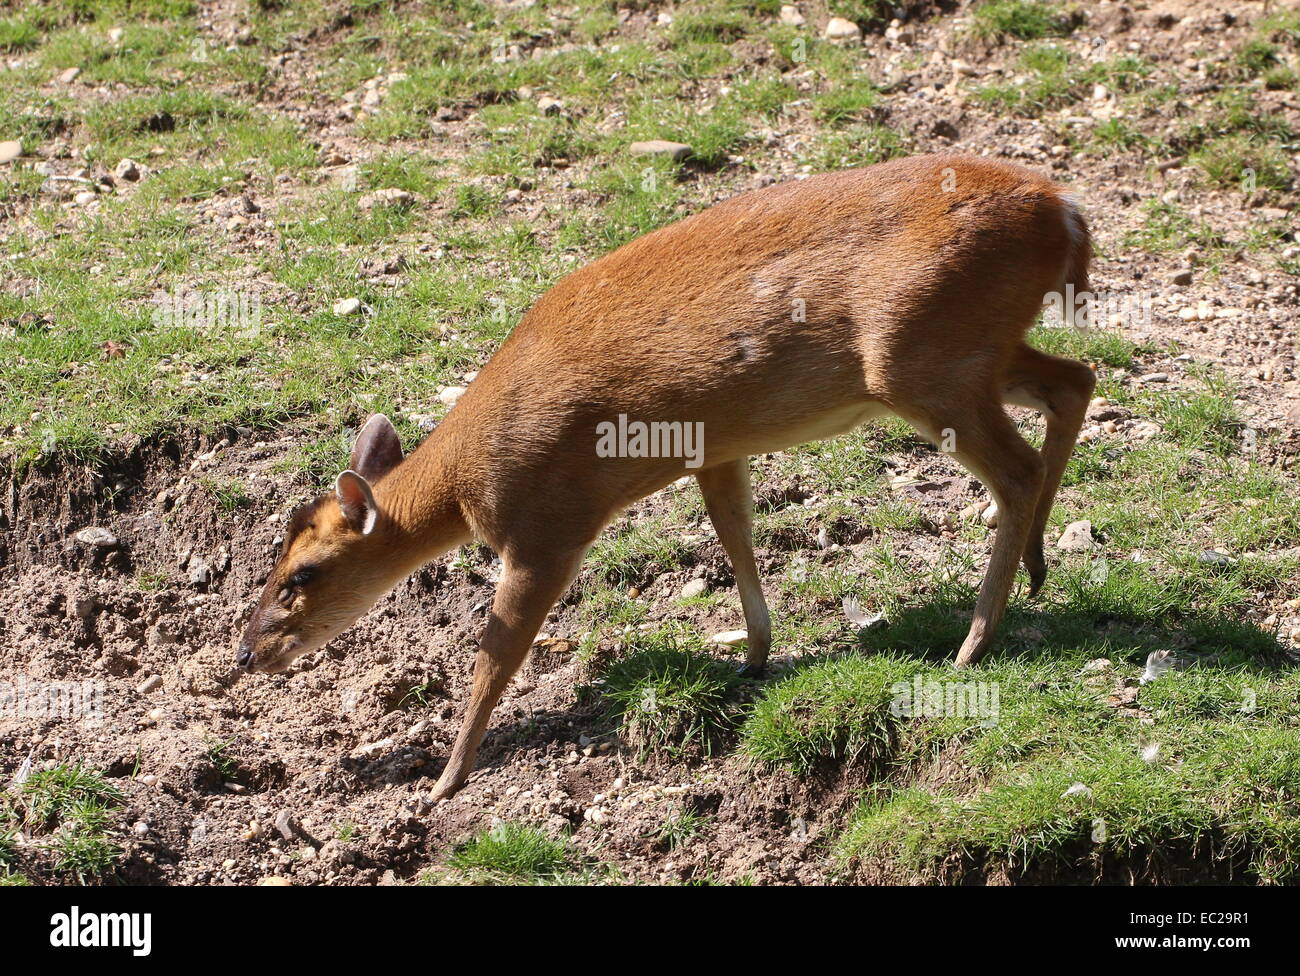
(1060, 390)
(986, 442)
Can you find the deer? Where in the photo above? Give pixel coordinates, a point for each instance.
(784, 315)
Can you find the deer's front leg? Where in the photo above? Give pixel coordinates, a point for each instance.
(528, 589)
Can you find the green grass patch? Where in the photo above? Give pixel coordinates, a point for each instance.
(512, 854)
(670, 698)
(1024, 20)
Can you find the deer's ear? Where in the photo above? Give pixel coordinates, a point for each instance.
(377, 449)
(357, 502)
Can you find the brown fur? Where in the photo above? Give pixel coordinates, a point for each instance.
(918, 279)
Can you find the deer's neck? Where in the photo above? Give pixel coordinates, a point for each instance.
(421, 500)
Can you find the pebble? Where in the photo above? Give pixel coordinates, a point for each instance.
(1182, 277)
(200, 571)
(284, 824)
(347, 306)
(84, 197)
(69, 75)
(1214, 557)
(149, 684)
(730, 638)
(370, 748)
(389, 197)
(840, 29)
(1077, 537)
(450, 394)
(990, 515)
(675, 151)
(276, 881)
(10, 150)
(1154, 378)
(127, 169)
(696, 587)
(98, 536)
(790, 16)
(550, 106)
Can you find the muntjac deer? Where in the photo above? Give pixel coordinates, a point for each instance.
(785, 315)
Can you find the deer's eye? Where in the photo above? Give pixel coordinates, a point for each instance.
(303, 576)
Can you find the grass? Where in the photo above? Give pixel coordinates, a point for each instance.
(670, 699)
(832, 710)
(1024, 20)
(70, 809)
(1054, 78)
(512, 854)
(680, 829)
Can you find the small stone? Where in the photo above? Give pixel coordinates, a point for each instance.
(990, 515)
(450, 394)
(68, 75)
(1183, 277)
(97, 536)
(1154, 378)
(1077, 537)
(347, 306)
(675, 151)
(127, 169)
(115, 34)
(10, 150)
(84, 197)
(370, 748)
(200, 571)
(284, 824)
(140, 828)
(149, 684)
(730, 638)
(276, 881)
(390, 197)
(790, 15)
(696, 587)
(1214, 557)
(839, 29)
(550, 106)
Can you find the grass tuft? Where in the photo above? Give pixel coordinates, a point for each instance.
(671, 700)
